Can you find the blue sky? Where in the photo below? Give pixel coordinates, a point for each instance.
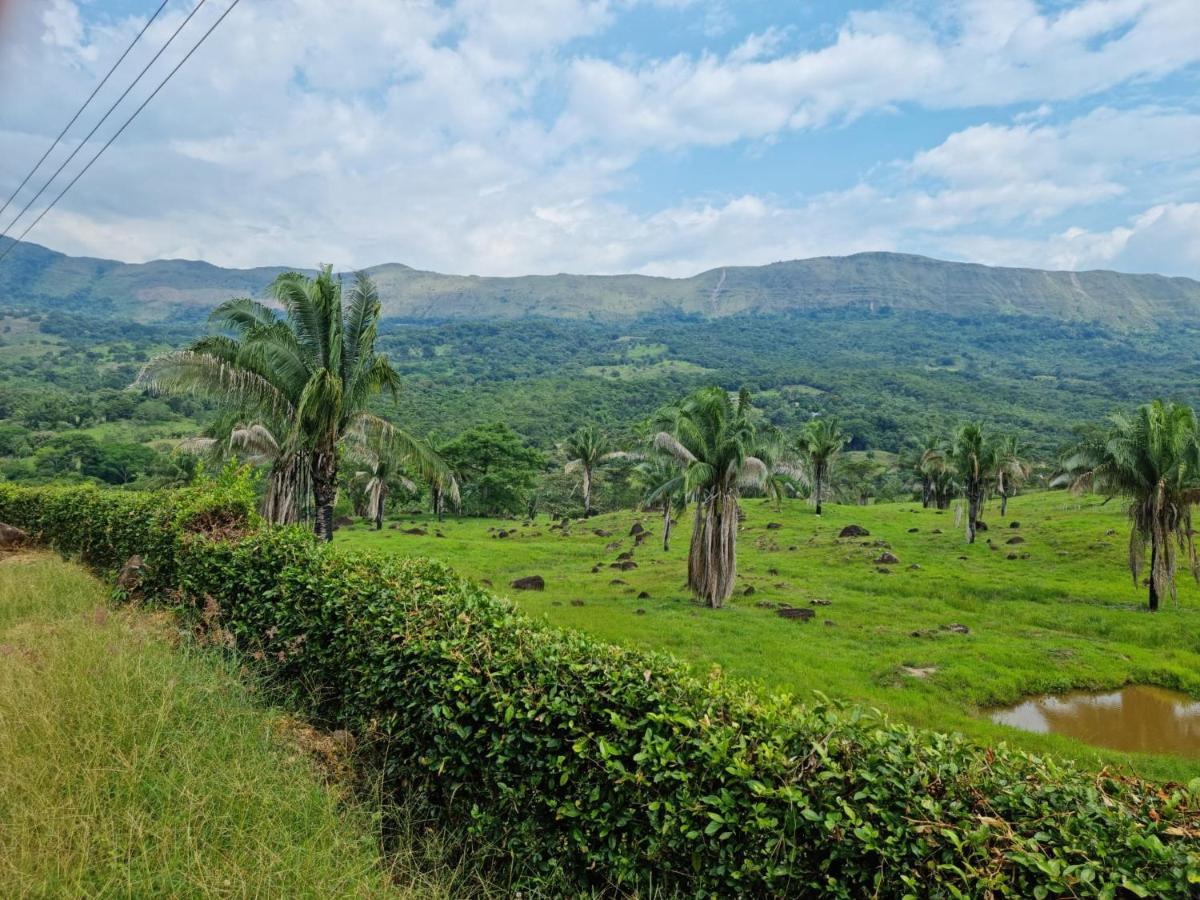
(658, 136)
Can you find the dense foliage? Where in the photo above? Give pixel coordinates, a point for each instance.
(593, 765)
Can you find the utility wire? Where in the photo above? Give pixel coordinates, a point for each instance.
(79, 112)
(145, 102)
(103, 119)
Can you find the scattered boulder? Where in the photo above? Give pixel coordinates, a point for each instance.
(644, 595)
(636, 529)
(12, 537)
(772, 571)
(853, 531)
(1011, 556)
(1025, 555)
(766, 604)
(883, 570)
(624, 565)
(530, 583)
(600, 532)
(595, 569)
(955, 628)
(918, 671)
(790, 612)
(639, 612)
(501, 533)
(884, 544)
(1110, 532)
(617, 581)
(1014, 524)
(773, 526)
(1015, 539)
(639, 538)
(913, 530)
(749, 591)
(625, 555)
(819, 602)
(611, 546)
(936, 531)
(962, 557)
(980, 525)
(913, 567)
(886, 558)
(438, 534)
(577, 603)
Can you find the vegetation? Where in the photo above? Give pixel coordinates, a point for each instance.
(595, 766)
(313, 370)
(131, 767)
(1153, 459)
(586, 450)
(821, 440)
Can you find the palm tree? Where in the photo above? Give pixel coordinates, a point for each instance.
(313, 368)
(1012, 468)
(821, 440)
(1152, 458)
(712, 437)
(973, 460)
(586, 450)
(661, 479)
(926, 464)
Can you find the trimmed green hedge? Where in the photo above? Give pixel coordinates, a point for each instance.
(593, 766)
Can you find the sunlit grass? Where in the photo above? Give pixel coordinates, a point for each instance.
(131, 767)
(1068, 616)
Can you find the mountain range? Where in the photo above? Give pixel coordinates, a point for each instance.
(171, 289)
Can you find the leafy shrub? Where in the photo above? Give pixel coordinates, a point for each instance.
(615, 769)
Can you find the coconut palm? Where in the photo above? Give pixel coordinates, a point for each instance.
(712, 437)
(1012, 468)
(820, 442)
(661, 479)
(313, 368)
(925, 463)
(375, 477)
(586, 450)
(972, 458)
(1153, 459)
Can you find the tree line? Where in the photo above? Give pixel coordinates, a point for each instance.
(296, 386)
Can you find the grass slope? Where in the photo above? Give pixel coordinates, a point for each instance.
(132, 768)
(1066, 617)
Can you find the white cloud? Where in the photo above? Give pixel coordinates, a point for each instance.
(473, 137)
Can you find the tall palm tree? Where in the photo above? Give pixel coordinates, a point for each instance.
(820, 441)
(925, 463)
(586, 450)
(1012, 468)
(313, 368)
(661, 479)
(712, 437)
(1153, 459)
(973, 459)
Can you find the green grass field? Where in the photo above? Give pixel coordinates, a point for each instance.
(131, 767)
(1068, 616)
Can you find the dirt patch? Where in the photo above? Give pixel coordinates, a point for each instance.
(918, 671)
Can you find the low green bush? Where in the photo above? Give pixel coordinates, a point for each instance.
(594, 766)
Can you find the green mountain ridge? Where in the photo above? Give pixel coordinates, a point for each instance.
(164, 290)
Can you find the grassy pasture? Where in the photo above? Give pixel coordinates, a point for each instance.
(1068, 616)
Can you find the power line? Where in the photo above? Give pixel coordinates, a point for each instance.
(103, 119)
(79, 112)
(108, 143)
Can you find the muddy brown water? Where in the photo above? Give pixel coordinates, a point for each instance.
(1138, 718)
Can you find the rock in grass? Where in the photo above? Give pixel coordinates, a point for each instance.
(636, 529)
(624, 565)
(749, 591)
(790, 612)
(1015, 539)
(644, 595)
(530, 583)
(887, 558)
(853, 531)
(773, 526)
(12, 537)
(956, 628)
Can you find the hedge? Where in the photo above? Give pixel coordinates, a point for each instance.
(595, 767)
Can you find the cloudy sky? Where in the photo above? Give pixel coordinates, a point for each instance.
(656, 136)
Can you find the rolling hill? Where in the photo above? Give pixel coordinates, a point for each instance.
(173, 290)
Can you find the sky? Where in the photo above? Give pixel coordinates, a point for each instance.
(601, 136)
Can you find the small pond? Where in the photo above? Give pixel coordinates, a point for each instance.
(1138, 718)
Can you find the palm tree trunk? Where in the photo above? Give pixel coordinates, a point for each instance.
(324, 480)
(712, 560)
(1153, 580)
(587, 491)
(926, 492)
(666, 525)
(817, 473)
(1003, 503)
(973, 496)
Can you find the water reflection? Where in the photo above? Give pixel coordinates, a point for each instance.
(1136, 718)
